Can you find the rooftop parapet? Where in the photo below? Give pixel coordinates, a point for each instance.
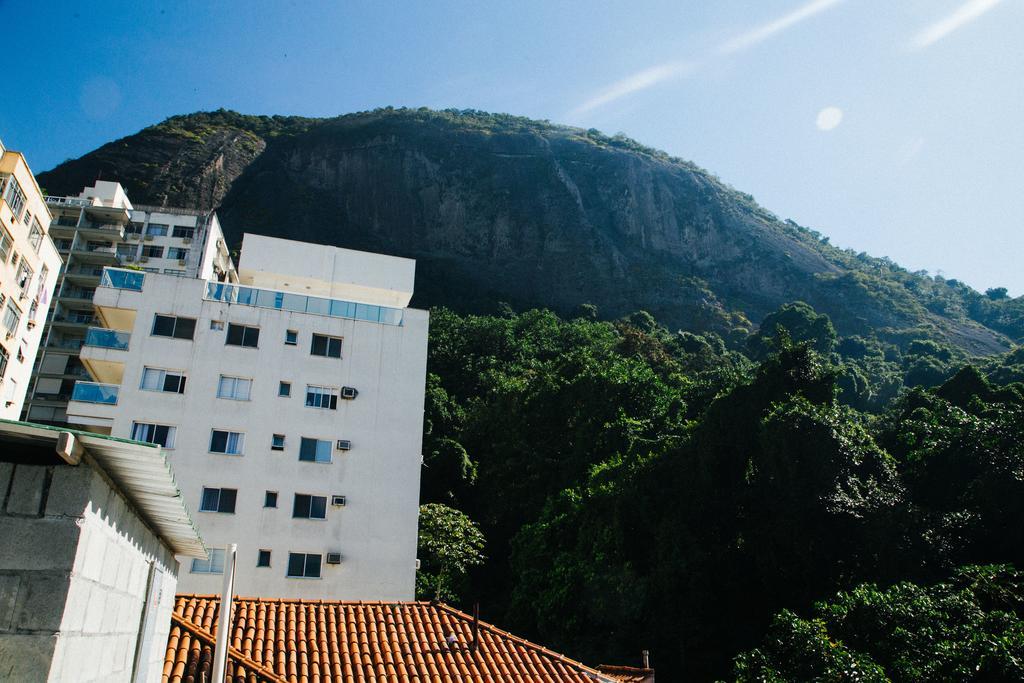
(329, 272)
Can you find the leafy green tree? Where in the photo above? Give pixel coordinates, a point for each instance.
(798, 322)
(450, 544)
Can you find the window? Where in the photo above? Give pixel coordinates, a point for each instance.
(24, 277)
(173, 326)
(235, 388)
(321, 397)
(35, 235)
(314, 450)
(133, 228)
(291, 337)
(263, 559)
(12, 317)
(218, 500)
(277, 442)
(229, 443)
(270, 499)
(174, 271)
(154, 379)
(177, 252)
(284, 389)
(15, 197)
(150, 251)
(303, 566)
(126, 250)
(183, 231)
(5, 245)
(213, 565)
(243, 335)
(326, 346)
(153, 433)
(309, 507)
(157, 230)
(3, 361)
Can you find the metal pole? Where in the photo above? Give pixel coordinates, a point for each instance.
(220, 652)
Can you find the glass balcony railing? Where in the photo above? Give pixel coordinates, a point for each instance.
(107, 339)
(334, 308)
(119, 278)
(94, 392)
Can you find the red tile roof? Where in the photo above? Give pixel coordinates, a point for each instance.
(313, 641)
(627, 674)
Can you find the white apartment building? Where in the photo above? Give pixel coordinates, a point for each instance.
(29, 264)
(291, 405)
(98, 228)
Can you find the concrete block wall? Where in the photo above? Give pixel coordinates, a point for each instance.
(75, 563)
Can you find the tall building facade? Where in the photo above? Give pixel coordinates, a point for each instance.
(98, 228)
(29, 264)
(291, 406)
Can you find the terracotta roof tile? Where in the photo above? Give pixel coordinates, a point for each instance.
(313, 641)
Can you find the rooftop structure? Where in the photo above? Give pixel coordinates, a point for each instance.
(29, 264)
(99, 228)
(288, 641)
(90, 525)
(292, 408)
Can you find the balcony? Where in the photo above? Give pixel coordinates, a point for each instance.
(94, 392)
(333, 308)
(107, 339)
(71, 320)
(68, 201)
(119, 278)
(91, 252)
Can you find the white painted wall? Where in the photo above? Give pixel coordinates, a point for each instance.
(326, 271)
(74, 567)
(376, 531)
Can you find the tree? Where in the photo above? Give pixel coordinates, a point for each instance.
(450, 543)
(996, 293)
(799, 323)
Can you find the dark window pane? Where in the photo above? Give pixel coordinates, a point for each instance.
(185, 328)
(318, 507)
(251, 337)
(284, 389)
(235, 334)
(171, 383)
(270, 499)
(227, 500)
(313, 566)
(296, 564)
(334, 348)
(319, 345)
(163, 325)
(307, 449)
(301, 506)
(160, 433)
(264, 559)
(219, 442)
(209, 499)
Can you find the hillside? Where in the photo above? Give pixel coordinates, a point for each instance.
(498, 208)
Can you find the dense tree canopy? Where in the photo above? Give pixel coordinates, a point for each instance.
(640, 489)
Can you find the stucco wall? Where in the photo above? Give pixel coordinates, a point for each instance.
(74, 571)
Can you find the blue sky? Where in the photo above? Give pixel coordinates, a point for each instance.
(896, 128)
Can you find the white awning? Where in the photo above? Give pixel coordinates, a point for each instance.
(142, 473)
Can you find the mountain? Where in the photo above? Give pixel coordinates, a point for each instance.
(499, 208)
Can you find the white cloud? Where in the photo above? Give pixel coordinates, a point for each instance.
(766, 31)
(829, 118)
(967, 12)
(641, 80)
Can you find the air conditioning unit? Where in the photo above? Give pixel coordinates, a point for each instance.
(144, 259)
(186, 240)
(344, 445)
(181, 262)
(338, 501)
(148, 238)
(349, 393)
(333, 558)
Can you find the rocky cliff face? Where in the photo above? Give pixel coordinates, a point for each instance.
(500, 208)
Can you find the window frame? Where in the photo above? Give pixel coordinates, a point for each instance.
(267, 498)
(171, 433)
(291, 337)
(210, 562)
(174, 329)
(262, 553)
(316, 450)
(221, 504)
(246, 330)
(239, 441)
(333, 394)
(277, 444)
(327, 341)
(305, 566)
(235, 383)
(311, 498)
(286, 387)
(164, 374)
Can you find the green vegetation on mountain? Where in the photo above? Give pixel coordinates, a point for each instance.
(503, 208)
(640, 489)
